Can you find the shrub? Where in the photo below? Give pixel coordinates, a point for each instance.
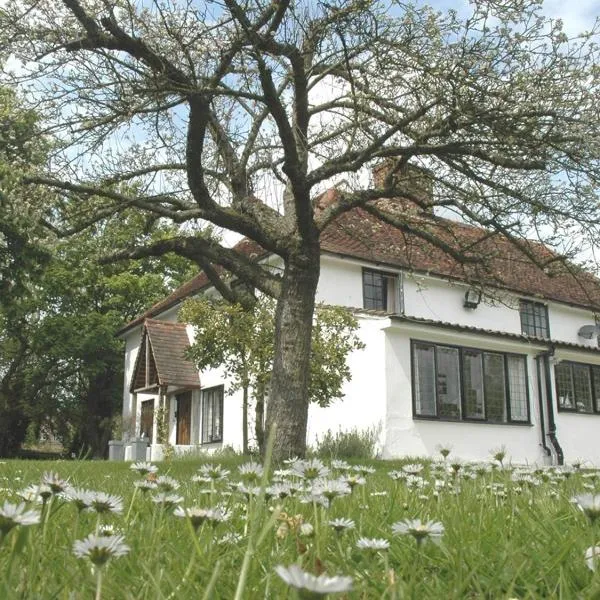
(356, 443)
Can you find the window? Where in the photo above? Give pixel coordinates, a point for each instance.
(534, 318)
(577, 387)
(212, 415)
(381, 291)
(147, 419)
(453, 383)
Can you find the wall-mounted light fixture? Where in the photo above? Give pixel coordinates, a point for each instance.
(472, 298)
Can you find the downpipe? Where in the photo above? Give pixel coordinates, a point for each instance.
(541, 406)
(545, 356)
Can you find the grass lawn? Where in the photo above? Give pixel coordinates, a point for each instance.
(507, 532)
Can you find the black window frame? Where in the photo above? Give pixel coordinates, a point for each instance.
(207, 431)
(463, 403)
(386, 278)
(593, 388)
(529, 312)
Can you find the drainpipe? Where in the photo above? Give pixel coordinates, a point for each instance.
(550, 404)
(541, 406)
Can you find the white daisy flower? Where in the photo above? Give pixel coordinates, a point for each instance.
(100, 549)
(340, 465)
(322, 585)
(143, 468)
(310, 498)
(592, 557)
(310, 469)
(354, 479)
(430, 530)
(12, 515)
(363, 470)
(249, 491)
(231, 538)
(342, 524)
(251, 471)
(167, 500)
(306, 530)
(279, 490)
(81, 498)
(145, 485)
(412, 468)
(374, 544)
(331, 488)
(397, 475)
(105, 503)
(31, 494)
(589, 504)
(199, 515)
(56, 484)
(213, 472)
(166, 483)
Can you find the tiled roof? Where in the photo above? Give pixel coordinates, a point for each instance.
(358, 234)
(189, 288)
(168, 343)
(528, 339)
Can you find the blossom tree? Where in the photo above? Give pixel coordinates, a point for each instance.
(240, 113)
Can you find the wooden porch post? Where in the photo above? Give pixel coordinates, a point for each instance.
(133, 425)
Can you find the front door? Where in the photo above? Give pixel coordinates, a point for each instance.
(147, 419)
(184, 418)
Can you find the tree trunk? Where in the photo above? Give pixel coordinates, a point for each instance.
(245, 418)
(259, 418)
(288, 403)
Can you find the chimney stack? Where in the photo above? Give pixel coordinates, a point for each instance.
(411, 180)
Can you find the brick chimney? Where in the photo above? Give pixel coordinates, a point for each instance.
(411, 177)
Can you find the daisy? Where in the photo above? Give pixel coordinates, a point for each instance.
(198, 516)
(251, 471)
(81, 498)
(592, 557)
(54, 482)
(279, 490)
(331, 488)
(589, 504)
(310, 586)
(412, 468)
(306, 530)
(310, 469)
(105, 503)
(231, 538)
(166, 483)
(143, 468)
(354, 479)
(340, 525)
(372, 544)
(100, 549)
(12, 515)
(431, 530)
(167, 500)
(145, 485)
(363, 470)
(213, 472)
(340, 465)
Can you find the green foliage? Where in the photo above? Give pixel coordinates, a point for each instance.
(353, 444)
(504, 537)
(241, 342)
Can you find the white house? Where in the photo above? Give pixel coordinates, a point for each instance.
(516, 366)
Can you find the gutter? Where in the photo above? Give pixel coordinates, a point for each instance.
(541, 407)
(545, 356)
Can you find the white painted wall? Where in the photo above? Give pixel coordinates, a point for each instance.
(406, 436)
(380, 391)
(363, 406)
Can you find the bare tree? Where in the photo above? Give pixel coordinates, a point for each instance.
(239, 113)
